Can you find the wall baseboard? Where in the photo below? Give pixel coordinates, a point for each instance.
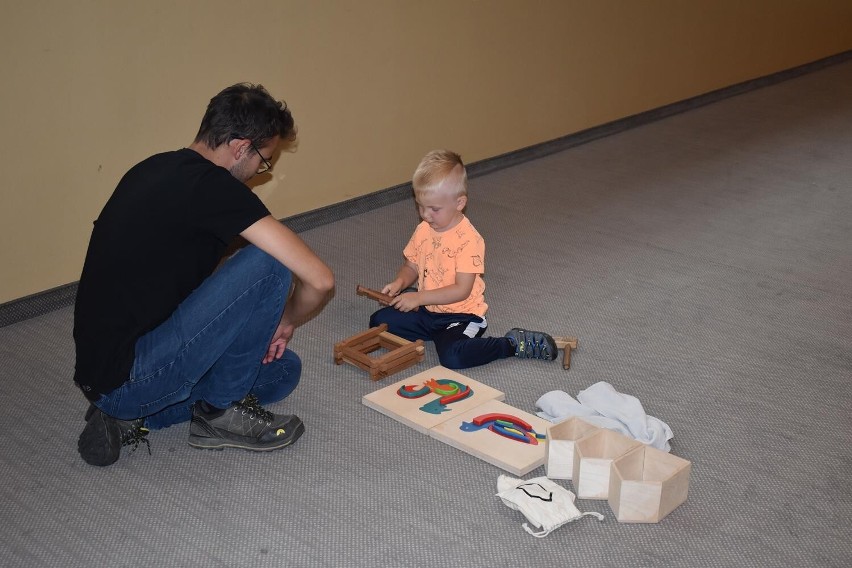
(63, 296)
(37, 304)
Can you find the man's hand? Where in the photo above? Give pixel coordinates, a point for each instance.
(283, 334)
(406, 302)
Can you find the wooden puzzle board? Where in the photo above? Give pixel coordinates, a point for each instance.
(513, 456)
(407, 410)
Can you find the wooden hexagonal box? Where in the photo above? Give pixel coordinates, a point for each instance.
(559, 447)
(646, 484)
(593, 456)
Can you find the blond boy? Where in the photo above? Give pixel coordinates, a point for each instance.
(446, 258)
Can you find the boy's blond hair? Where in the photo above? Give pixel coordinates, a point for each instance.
(440, 170)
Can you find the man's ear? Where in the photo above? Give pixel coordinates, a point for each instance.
(238, 147)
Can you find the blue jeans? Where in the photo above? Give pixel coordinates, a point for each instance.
(211, 348)
(458, 337)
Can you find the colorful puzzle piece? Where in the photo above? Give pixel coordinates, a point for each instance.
(428, 398)
(497, 433)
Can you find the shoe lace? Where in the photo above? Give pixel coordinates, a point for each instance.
(537, 347)
(542, 349)
(251, 405)
(137, 434)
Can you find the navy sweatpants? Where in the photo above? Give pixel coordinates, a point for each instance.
(458, 337)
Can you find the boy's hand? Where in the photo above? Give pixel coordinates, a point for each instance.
(392, 288)
(406, 302)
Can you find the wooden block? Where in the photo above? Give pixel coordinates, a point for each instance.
(383, 299)
(516, 457)
(646, 484)
(408, 410)
(593, 456)
(559, 447)
(562, 342)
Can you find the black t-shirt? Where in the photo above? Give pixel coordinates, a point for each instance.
(159, 236)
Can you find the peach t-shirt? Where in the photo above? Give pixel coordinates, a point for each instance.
(439, 256)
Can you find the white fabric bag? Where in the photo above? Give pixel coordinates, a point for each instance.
(544, 503)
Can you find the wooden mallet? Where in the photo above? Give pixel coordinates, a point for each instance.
(567, 344)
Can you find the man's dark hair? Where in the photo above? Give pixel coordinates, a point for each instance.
(245, 111)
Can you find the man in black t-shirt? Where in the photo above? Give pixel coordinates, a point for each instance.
(161, 337)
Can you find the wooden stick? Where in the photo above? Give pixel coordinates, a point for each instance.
(392, 339)
(383, 299)
(390, 358)
(401, 364)
(364, 367)
(352, 355)
(368, 346)
(363, 336)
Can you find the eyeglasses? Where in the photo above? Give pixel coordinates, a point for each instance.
(266, 166)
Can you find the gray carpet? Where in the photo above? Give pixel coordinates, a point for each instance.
(704, 262)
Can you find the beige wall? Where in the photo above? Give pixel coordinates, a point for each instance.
(90, 87)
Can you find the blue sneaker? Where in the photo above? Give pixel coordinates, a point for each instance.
(532, 344)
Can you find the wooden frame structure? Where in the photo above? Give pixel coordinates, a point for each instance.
(401, 354)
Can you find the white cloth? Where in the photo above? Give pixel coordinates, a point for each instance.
(545, 504)
(603, 406)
